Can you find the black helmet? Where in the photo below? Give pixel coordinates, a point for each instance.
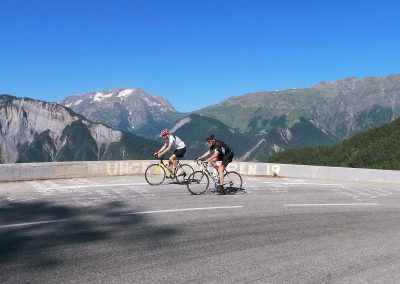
(210, 137)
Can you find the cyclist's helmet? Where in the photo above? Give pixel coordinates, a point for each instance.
(164, 133)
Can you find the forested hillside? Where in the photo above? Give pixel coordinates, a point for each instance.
(377, 148)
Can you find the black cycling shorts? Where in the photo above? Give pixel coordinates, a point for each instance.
(226, 159)
(179, 153)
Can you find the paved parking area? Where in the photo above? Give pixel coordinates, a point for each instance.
(122, 230)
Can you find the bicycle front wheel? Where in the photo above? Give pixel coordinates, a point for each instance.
(232, 181)
(154, 174)
(197, 183)
(187, 169)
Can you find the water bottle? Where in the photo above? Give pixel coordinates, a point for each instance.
(214, 176)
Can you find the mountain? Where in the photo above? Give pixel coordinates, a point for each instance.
(341, 108)
(194, 128)
(130, 110)
(37, 131)
(256, 125)
(377, 148)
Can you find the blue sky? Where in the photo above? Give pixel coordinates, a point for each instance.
(194, 53)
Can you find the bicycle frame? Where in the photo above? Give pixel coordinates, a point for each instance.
(161, 164)
(206, 171)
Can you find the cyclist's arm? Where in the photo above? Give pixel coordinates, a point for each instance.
(161, 149)
(213, 156)
(204, 155)
(164, 149)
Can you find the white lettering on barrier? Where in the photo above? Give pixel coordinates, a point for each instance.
(232, 167)
(275, 170)
(114, 171)
(130, 168)
(242, 169)
(126, 168)
(252, 170)
(145, 164)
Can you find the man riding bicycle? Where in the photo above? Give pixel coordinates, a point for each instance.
(180, 150)
(221, 153)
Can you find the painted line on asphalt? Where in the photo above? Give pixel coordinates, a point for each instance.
(332, 204)
(32, 223)
(301, 183)
(182, 210)
(94, 185)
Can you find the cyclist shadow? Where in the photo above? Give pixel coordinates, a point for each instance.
(183, 181)
(231, 190)
(235, 190)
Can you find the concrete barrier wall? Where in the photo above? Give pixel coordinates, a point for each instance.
(57, 170)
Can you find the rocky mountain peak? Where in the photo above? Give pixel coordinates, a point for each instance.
(128, 109)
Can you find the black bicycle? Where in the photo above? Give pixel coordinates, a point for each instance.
(199, 181)
(156, 173)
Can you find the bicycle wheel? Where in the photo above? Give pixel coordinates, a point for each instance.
(198, 182)
(188, 171)
(154, 174)
(232, 181)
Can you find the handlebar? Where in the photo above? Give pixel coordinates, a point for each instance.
(159, 158)
(202, 163)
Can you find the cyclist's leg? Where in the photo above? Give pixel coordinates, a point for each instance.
(221, 169)
(172, 162)
(179, 153)
(214, 161)
(225, 161)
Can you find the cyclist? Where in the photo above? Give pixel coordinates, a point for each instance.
(223, 153)
(180, 150)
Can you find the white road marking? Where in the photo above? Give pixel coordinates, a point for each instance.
(332, 204)
(301, 183)
(181, 210)
(32, 223)
(94, 185)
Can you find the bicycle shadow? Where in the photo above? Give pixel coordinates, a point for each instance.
(235, 190)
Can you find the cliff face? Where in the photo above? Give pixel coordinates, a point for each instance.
(35, 131)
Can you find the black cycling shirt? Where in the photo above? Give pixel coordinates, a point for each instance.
(221, 147)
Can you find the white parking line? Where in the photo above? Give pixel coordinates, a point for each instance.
(32, 223)
(301, 183)
(94, 185)
(332, 204)
(181, 210)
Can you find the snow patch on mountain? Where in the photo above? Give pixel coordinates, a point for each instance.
(181, 123)
(125, 93)
(98, 97)
(248, 153)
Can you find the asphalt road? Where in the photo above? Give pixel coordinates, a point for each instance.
(121, 230)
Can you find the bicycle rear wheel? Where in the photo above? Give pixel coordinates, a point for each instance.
(154, 174)
(198, 182)
(188, 171)
(232, 181)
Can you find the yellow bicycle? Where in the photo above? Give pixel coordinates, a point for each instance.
(156, 173)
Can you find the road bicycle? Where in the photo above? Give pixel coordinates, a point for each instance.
(156, 173)
(199, 181)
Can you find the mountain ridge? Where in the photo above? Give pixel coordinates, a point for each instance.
(332, 105)
(38, 131)
(131, 110)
